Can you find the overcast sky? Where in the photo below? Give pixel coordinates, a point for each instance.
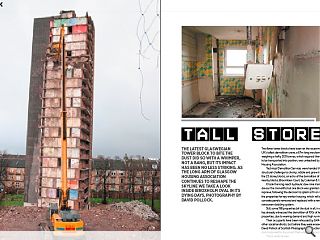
(118, 126)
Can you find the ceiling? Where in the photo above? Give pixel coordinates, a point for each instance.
(227, 32)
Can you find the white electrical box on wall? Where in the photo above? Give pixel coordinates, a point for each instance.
(258, 76)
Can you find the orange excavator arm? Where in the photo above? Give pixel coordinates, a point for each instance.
(63, 203)
(61, 216)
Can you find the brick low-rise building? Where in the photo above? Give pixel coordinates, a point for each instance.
(12, 173)
(127, 178)
(124, 178)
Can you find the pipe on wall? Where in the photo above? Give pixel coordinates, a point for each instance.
(249, 35)
(250, 49)
(218, 67)
(260, 45)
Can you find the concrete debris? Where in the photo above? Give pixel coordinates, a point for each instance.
(260, 115)
(151, 228)
(99, 218)
(230, 107)
(28, 218)
(138, 208)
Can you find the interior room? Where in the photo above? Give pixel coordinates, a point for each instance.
(217, 83)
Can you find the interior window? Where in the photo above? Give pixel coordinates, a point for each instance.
(235, 59)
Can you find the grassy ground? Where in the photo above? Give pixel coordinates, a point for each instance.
(12, 200)
(17, 200)
(147, 201)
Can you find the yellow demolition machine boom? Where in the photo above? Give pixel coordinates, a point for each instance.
(62, 217)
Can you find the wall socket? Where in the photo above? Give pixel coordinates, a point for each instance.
(258, 76)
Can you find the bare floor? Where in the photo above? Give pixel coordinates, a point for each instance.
(227, 107)
(98, 218)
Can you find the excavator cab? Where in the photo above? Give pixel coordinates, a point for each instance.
(65, 220)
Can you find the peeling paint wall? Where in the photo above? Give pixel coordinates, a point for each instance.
(270, 98)
(197, 69)
(294, 89)
(301, 73)
(229, 85)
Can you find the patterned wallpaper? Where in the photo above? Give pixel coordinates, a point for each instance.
(205, 67)
(189, 70)
(230, 85)
(192, 70)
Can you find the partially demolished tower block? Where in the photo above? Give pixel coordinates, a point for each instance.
(79, 47)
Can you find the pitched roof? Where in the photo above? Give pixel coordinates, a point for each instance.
(18, 161)
(111, 164)
(13, 161)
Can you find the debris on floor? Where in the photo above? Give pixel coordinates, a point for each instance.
(131, 216)
(138, 208)
(111, 217)
(22, 218)
(199, 109)
(230, 107)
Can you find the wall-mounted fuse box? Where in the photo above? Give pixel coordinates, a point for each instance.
(258, 76)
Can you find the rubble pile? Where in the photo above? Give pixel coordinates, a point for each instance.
(131, 216)
(28, 218)
(138, 208)
(229, 107)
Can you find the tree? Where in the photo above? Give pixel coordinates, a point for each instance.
(144, 176)
(106, 174)
(154, 181)
(103, 173)
(131, 175)
(3, 171)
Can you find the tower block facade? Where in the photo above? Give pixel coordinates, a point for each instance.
(79, 59)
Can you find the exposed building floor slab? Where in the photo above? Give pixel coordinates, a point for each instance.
(229, 107)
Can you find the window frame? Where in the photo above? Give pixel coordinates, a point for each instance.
(225, 62)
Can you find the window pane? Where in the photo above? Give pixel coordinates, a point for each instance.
(236, 57)
(235, 71)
